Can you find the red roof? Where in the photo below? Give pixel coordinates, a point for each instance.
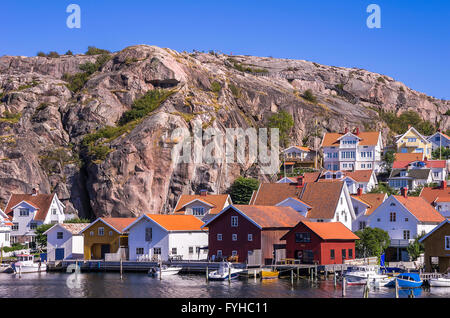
(368, 138)
(431, 194)
(421, 209)
(41, 202)
(329, 230)
(173, 222)
(118, 223)
(217, 201)
(271, 216)
(428, 163)
(323, 197)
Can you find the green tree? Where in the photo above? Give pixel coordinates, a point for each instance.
(41, 238)
(92, 50)
(284, 122)
(372, 242)
(242, 189)
(441, 153)
(383, 187)
(309, 96)
(416, 191)
(415, 248)
(77, 220)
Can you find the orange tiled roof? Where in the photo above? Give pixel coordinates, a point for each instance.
(374, 199)
(331, 230)
(323, 197)
(302, 148)
(40, 201)
(357, 175)
(74, 228)
(271, 216)
(408, 156)
(368, 138)
(216, 200)
(421, 209)
(430, 194)
(177, 222)
(119, 223)
(273, 193)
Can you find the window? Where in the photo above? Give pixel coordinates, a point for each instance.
(363, 166)
(356, 208)
(191, 250)
(33, 225)
(219, 253)
(233, 253)
(378, 220)
(337, 217)
(91, 233)
(157, 251)
(15, 227)
(250, 237)
(234, 237)
(219, 237)
(447, 242)
(362, 225)
(411, 139)
(110, 233)
(392, 217)
(328, 176)
(234, 221)
(174, 251)
(148, 234)
(335, 167)
(344, 254)
(302, 237)
(24, 212)
(54, 212)
(369, 165)
(406, 219)
(59, 235)
(6, 237)
(406, 235)
(350, 253)
(139, 251)
(331, 254)
(198, 211)
(101, 231)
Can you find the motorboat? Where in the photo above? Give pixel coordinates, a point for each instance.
(226, 271)
(358, 275)
(25, 264)
(441, 281)
(406, 280)
(6, 268)
(165, 270)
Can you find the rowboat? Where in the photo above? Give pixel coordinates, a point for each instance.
(406, 280)
(269, 274)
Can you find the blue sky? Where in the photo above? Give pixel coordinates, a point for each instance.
(413, 45)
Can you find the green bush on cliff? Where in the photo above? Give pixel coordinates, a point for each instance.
(400, 124)
(77, 81)
(92, 50)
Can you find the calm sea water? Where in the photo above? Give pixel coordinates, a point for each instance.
(139, 285)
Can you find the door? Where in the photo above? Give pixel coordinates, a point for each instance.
(59, 254)
(105, 250)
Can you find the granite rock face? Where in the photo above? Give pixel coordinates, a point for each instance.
(44, 122)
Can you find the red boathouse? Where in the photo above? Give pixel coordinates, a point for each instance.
(320, 243)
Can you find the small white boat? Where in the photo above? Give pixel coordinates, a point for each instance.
(226, 271)
(166, 271)
(358, 275)
(25, 264)
(6, 268)
(440, 282)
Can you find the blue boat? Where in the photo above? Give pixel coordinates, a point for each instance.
(406, 280)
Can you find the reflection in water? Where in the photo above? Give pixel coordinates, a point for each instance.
(184, 286)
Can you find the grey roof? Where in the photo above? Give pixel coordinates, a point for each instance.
(421, 174)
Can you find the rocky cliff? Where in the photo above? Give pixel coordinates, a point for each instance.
(53, 107)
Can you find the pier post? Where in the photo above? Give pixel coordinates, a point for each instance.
(326, 273)
(334, 279)
(121, 269)
(366, 288)
(311, 274)
(229, 275)
(298, 273)
(160, 270)
(207, 274)
(292, 277)
(317, 273)
(396, 288)
(254, 275)
(343, 286)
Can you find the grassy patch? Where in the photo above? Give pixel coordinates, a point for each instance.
(399, 124)
(77, 81)
(216, 87)
(235, 91)
(10, 118)
(381, 80)
(92, 50)
(186, 116)
(30, 85)
(309, 96)
(246, 68)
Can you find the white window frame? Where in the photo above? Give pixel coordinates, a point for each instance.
(234, 237)
(219, 237)
(219, 253)
(234, 221)
(234, 253)
(101, 231)
(250, 237)
(139, 249)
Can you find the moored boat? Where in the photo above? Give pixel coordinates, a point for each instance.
(440, 282)
(406, 280)
(25, 264)
(226, 271)
(269, 274)
(165, 270)
(358, 275)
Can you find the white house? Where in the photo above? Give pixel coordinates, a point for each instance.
(411, 179)
(439, 171)
(64, 241)
(202, 206)
(324, 202)
(364, 205)
(404, 218)
(160, 237)
(438, 140)
(28, 211)
(298, 153)
(352, 151)
(354, 180)
(5, 229)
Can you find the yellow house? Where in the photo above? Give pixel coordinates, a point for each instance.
(414, 142)
(105, 236)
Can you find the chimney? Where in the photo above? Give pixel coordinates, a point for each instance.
(300, 182)
(203, 193)
(409, 126)
(34, 192)
(345, 130)
(359, 192)
(357, 131)
(444, 184)
(404, 192)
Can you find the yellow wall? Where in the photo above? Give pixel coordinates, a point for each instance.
(411, 146)
(92, 244)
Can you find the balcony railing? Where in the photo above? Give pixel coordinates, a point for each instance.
(400, 243)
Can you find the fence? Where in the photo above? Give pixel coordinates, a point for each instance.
(362, 261)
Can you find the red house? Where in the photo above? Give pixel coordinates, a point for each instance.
(250, 232)
(320, 243)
